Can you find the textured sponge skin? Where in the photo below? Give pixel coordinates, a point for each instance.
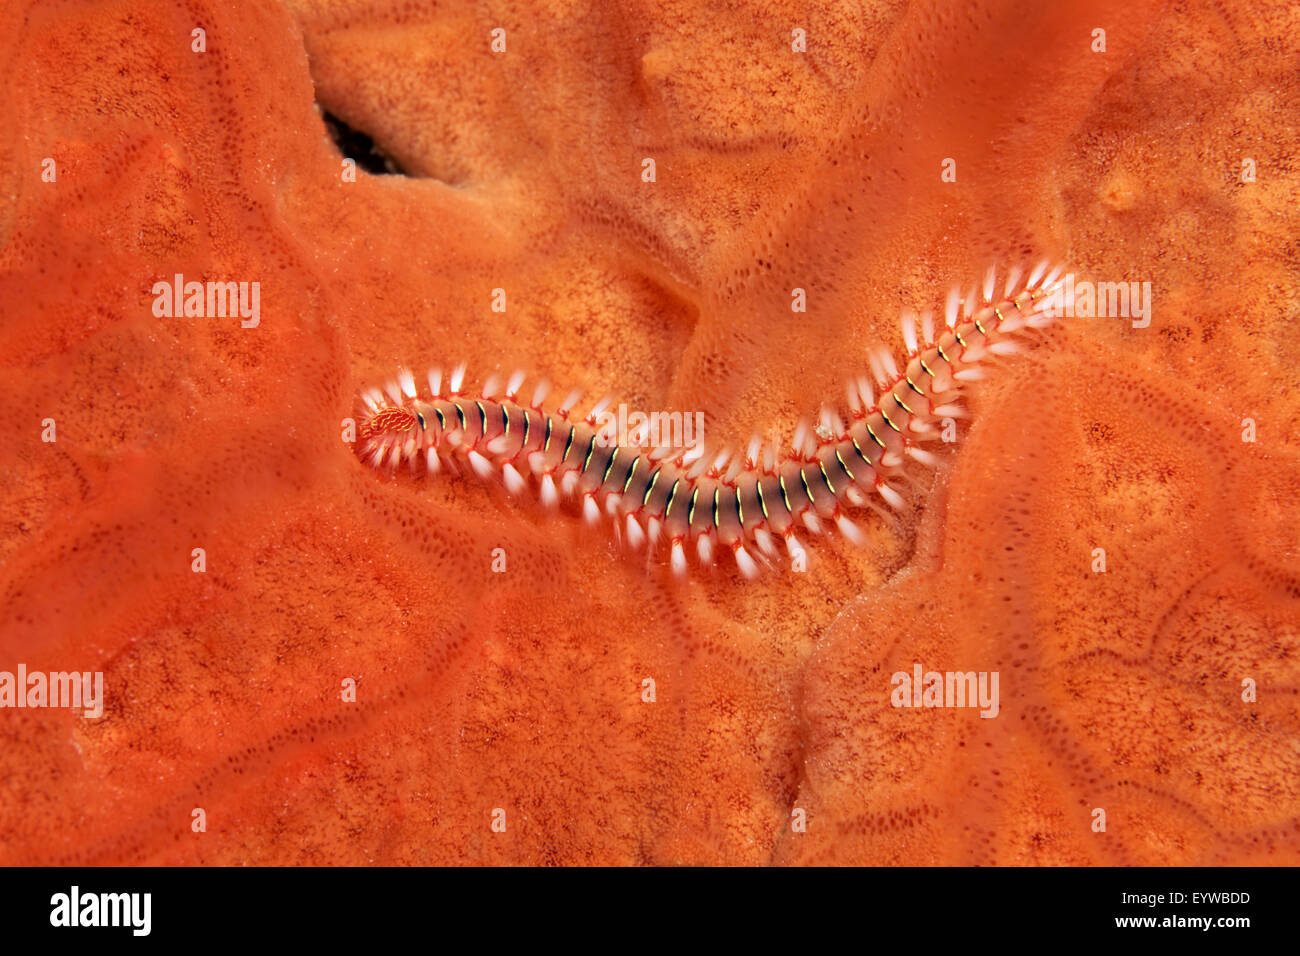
(525, 689)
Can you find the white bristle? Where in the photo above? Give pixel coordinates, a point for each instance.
(704, 549)
(795, 549)
(809, 443)
(892, 497)
(927, 327)
(515, 483)
(855, 496)
(394, 392)
(855, 400)
(812, 522)
(753, 451)
(550, 497)
(611, 504)
(491, 387)
(800, 437)
(1052, 277)
(908, 323)
(482, 467)
(923, 456)
(887, 362)
(678, 559)
(513, 385)
(850, 530)
(540, 392)
(457, 379)
(1013, 281)
(1036, 276)
(877, 369)
(746, 563)
(572, 399)
(950, 411)
(990, 278)
(395, 456)
(1005, 348)
(866, 392)
(569, 483)
(635, 534)
(653, 528)
(407, 382)
(951, 306)
(763, 538)
(969, 375)
(891, 459)
(590, 510)
(435, 381)
(597, 410)
(408, 450)
(432, 462)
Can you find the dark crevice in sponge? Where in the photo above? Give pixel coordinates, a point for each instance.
(359, 146)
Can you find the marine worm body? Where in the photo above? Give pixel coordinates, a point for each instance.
(684, 500)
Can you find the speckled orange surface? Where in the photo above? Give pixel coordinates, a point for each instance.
(523, 691)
